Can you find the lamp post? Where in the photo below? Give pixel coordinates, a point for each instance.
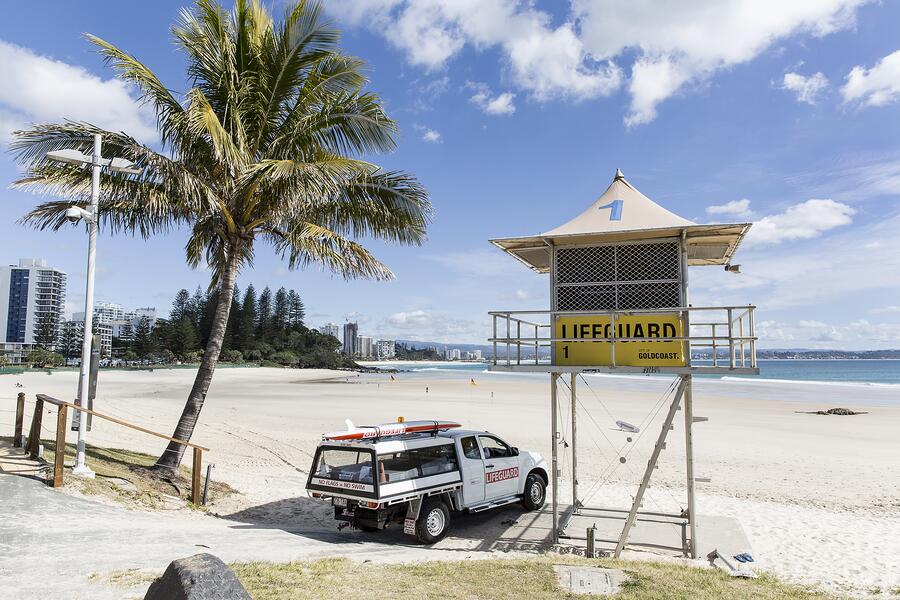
(90, 216)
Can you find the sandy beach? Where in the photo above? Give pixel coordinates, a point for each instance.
(818, 496)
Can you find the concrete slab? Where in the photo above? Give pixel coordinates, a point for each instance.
(592, 581)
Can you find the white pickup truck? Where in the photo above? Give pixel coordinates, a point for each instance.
(418, 473)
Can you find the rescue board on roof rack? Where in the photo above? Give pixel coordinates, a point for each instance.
(389, 429)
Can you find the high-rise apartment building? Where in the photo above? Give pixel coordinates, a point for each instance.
(31, 295)
(385, 349)
(350, 347)
(332, 329)
(365, 346)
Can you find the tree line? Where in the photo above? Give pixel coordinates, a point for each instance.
(267, 328)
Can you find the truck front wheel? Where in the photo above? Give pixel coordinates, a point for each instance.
(535, 492)
(433, 521)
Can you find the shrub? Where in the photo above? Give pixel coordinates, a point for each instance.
(232, 356)
(285, 357)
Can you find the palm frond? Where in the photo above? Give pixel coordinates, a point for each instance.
(308, 243)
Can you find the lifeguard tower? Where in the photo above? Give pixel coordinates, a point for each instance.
(619, 304)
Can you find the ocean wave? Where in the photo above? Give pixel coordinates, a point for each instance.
(760, 380)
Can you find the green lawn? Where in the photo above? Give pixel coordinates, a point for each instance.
(534, 579)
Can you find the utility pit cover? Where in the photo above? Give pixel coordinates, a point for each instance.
(594, 581)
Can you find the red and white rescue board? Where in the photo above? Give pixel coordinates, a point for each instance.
(376, 431)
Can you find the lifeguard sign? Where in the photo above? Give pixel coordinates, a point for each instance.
(619, 302)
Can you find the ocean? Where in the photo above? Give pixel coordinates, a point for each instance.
(833, 371)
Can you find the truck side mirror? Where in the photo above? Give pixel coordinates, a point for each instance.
(514, 451)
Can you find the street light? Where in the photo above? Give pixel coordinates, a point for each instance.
(75, 214)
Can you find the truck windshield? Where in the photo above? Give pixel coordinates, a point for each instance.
(345, 464)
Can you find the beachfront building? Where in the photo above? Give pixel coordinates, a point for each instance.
(454, 354)
(32, 299)
(385, 349)
(619, 304)
(332, 329)
(350, 347)
(365, 346)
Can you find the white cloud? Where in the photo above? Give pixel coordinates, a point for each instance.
(414, 319)
(431, 135)
(41, 89)
(877, 86)
(674, 44)
(801, 222)
(807, 89)
(687, 42)
(548, 61)
(502, 104)
(892, 309)
(738, 208)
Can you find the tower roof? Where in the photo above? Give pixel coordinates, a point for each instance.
(622, 213)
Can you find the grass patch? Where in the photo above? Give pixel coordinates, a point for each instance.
(126, 578)
(152, 488)
(498, 579)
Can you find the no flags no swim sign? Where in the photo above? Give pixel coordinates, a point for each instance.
(649, 351)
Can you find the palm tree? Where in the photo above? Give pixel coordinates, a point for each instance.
(265, 146)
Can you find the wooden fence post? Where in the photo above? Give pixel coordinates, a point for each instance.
(34, 436)
(20, 416)
(195, 476)
(60, 445)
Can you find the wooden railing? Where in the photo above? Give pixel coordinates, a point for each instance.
(62, 408)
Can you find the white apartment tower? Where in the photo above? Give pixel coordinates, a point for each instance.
(29, 292)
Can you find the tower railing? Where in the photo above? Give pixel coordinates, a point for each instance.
(719, 338)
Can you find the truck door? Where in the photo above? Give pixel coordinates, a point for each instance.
(472, 467)
(501, 468)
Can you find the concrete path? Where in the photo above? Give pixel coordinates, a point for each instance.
(54, 545)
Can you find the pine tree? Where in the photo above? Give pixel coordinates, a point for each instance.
(264, 329)
(281, 314)
(181, 306)
(46, 330)
(246, 333)
(197, 306)
(70, 342)
(296, 311)
(144, 344)
(204, 327)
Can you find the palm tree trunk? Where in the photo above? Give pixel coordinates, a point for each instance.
(171, 456)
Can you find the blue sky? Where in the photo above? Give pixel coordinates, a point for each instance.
(515, 115)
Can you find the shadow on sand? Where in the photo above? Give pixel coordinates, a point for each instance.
(505, 529)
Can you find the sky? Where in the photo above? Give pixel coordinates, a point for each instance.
(515, 115)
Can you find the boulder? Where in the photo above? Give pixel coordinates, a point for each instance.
(198, 577)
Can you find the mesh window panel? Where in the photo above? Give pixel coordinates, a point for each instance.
(647, 262)
(635, 296)
(584, 265)
(585, 297)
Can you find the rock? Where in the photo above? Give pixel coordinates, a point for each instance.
(197, 577)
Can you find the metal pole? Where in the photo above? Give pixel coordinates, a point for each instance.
(689, 463)
(574, 448)
(554, 475)
(80, 467)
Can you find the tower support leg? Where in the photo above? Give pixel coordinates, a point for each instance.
(651, 465)
(689, 465)
(554, 458)
(574, 444)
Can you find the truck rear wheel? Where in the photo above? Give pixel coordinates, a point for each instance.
(433, 521)
(535, 492)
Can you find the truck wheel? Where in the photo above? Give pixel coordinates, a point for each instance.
(369, 528)
(535, 492)
(433, 521)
